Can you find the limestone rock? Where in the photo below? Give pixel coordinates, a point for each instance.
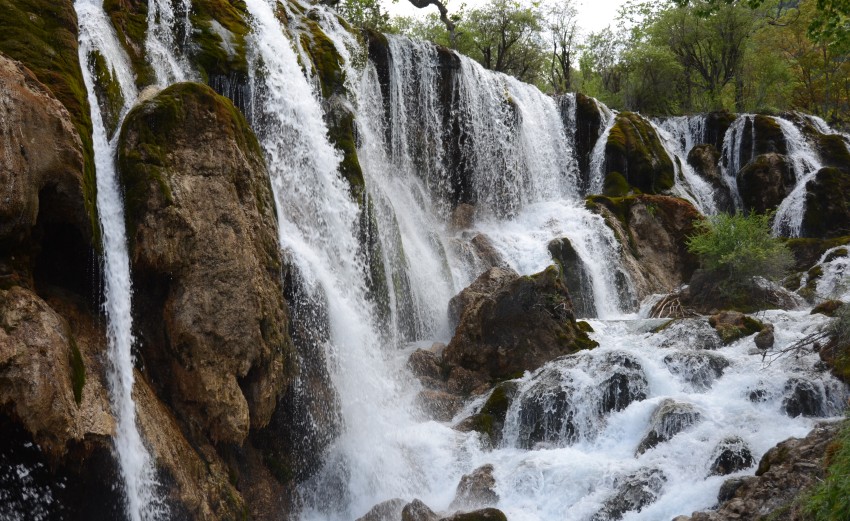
(202, 231)
(510, 324)
(732, 325)
(785, 471)
(476, 489)
(485, 285)
(653, 231)
(416, 510)
(669, 419)
(827, 212)
(633, 493)
(705, 160)
(389, 510)
(635, 159)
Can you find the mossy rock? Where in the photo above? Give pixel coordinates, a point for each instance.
(491, 418)
(588, 127)
(769, 137)
(827, 212)
(130, 20)
(327, 63)
(716, 125)
(833, 151)
(42, 34)
(765, 181)
(109, 95)
(827, 307)
(220, 29)
(155, 121)
(807, 251)
(634, 151)
(732, 325)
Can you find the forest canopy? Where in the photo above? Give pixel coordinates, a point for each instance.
(658, 58)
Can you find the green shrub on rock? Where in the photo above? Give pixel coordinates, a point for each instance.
(736, 248)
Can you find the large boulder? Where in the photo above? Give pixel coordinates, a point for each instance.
(635, 158)
(633, 493)
(827, 212)
(765, 182)
(476, 489)
(575, 276)
(203, 246)
(516, 325)
(669, 419)
(705, 160)
(653, 231)
(41, 171)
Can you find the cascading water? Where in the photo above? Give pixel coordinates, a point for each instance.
(679, 135)
(161, 42)
(806, 163)
(137, 470)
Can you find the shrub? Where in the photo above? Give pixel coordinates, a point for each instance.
(830, 499)
(738, 247)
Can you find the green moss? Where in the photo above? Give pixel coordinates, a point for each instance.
(635, 151)
(42, 34)
(584, 326)
(341, 134)
(130, 20)
(615, 185)
(157, 122)
(280, 468)
(827, 203)
(108, 91)
(220, 32)
(325, 58)
(808, 250)
(664, 326)
(78, 369)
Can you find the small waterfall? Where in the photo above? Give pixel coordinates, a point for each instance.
(732, 153)
(161, 42)
(597, 159)
(679, 135)
(137, 469)
(806, 163)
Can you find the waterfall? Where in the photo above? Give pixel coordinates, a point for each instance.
(161, 43)
(136, 465)
(679, 135)
(597, 159)
(805, 163)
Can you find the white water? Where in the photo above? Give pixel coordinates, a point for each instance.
(161, 45)
(597, 159)
(805, 163)
(136, 464)
(679, 135)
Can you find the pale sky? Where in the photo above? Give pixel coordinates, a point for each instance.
(593, 14)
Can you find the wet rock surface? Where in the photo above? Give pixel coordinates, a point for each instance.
(633, 493)
(669, 419)
(699, 369)
(476, 490)
(785, 471)
(732, 455)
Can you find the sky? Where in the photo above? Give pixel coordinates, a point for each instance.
(593, 15)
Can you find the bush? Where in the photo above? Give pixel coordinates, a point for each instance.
(738, 247)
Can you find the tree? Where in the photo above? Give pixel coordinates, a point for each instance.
(505, 35)
(562, 26)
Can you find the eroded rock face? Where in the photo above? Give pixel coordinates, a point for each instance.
(42, 204)
(827, 211)
(574, 275)
(784, 472)
(202, 229)
(653, 231)
(705, 159)
(513, 324)
(481, 288)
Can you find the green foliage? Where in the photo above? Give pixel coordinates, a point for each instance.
(830, 499)
(367, 14)
(739, 247)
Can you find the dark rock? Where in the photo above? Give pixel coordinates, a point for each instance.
(575, 276)
(490, 420)
(512, 324)
(425, 365)
(689, 333)
(765, 338)
(476, 489)
(635, 159)
(785, 473)
(732, 325)
(808, 251)
(669, 419)
(485, 514)
(587, 118)
(699, 369)
(732, 455)
(389, 510)
(486, 252)
(418, 511)
(705, 160)
(483, 287)
(803, 397)
(827, 211)
(765, 182)
(633, 493)
(716, 125)
(705, 294)
(558, 407)
(439, 405)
